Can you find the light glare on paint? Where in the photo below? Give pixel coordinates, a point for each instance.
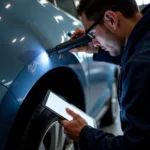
(77, 3)
(59, 17)
(3, 80)
(62, 39)
(45, 58)
(43, 1)
(14, 40)
(8, 6)
(22, 39)
(75, 23)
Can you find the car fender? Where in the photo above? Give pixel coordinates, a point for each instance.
(26, 79)
(8, 110)
(40, 66)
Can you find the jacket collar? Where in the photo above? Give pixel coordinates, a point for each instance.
(140, 29)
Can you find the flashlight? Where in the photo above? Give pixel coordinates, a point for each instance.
(73, 43)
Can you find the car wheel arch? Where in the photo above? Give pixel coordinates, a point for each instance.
(28, 106)
(64, 79)
(60, 80)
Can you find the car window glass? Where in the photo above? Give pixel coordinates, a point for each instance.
(68, 6)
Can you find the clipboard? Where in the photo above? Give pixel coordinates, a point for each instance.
(58, 106)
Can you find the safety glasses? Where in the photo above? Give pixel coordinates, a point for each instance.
(99, 19)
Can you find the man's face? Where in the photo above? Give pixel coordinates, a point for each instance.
(106, 38)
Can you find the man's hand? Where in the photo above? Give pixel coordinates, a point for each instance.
(73, 128)
(88, 48)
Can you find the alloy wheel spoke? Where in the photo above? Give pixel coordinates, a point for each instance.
(54, 130)
(70, 146)
(62, 137)
(55, 139)
(42, 147)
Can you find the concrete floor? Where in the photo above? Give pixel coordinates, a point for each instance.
(115, 128)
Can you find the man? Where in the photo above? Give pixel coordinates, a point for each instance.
(123, 33)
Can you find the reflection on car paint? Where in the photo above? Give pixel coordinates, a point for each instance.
(60, 56)
(14, 40)
(8, 6)
(79, 55)
(42, 2)
(20, 100)
(18, 39)
(59, 18)
(62, 39)
(44, 58)
(22, 39)
(32, 67)
(8, 83)
(44, 61)
(3, 80)
(75, 23)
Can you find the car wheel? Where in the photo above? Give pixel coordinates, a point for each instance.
(54, 139)
(44, 132)
(111, 114)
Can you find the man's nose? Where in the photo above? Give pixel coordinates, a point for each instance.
(96, 43)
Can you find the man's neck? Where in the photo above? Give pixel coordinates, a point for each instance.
(131, 25)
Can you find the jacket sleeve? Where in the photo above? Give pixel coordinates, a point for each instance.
(135, 114)
(104, 56)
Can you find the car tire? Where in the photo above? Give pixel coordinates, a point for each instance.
(111, 114)
(43, 132)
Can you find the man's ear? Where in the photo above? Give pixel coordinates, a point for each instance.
(111, 20)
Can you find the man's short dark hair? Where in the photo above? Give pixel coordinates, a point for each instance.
(94, 8)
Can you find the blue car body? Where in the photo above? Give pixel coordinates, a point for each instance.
(28, 28)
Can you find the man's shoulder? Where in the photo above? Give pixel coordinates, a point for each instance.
(144, 43)
(140, 59)
(142, 49)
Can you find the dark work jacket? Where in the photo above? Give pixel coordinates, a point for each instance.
(134, 95)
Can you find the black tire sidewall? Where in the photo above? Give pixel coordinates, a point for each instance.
(36, 128)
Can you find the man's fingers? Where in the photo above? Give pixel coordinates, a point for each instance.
(74, 50)
(65, 131)
(74, 35)
(71, 113)
(79, 31)
(63, 122)
(80, 49)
